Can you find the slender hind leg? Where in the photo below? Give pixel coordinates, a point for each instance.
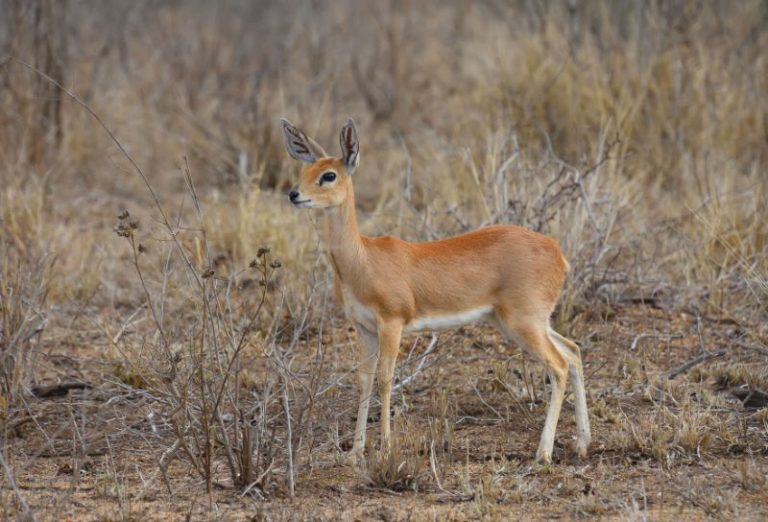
(572, 353)
(534, 337)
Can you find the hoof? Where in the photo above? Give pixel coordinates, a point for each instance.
(354, 457)
(582, 443)
(581, 448)
(544, 457)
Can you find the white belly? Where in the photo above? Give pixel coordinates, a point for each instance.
(443, 322)
(359, 313)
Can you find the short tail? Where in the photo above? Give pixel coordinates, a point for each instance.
(570, 344)
(566, 347)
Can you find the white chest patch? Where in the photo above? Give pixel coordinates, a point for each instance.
(444, 322)
(358, 312)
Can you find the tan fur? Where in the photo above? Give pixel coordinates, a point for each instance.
(387, 283)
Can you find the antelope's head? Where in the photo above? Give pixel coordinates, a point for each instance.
(325, 181)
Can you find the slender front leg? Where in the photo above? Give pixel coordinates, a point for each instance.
(389, 346)
(368, 357)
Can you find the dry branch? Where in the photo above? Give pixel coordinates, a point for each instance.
(58, 390)
(751, 398)
(674, 372)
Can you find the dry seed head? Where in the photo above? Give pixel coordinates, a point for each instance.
(263, 251)
(122, 230)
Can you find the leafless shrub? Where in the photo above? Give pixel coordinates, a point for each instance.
(200, 381)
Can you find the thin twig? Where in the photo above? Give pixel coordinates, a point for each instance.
(758, 348)
(258, 480)
(494, 410)
(433, 466)
(407, 380)
(289, 438)
(652, 335)
(164, 460)
(127, 322)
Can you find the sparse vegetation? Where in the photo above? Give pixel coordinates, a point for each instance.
(401, 467)
(185, 358)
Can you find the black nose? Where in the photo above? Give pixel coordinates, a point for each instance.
(292, 195)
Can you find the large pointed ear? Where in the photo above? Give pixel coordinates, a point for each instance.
(299, 145)
(350, 147)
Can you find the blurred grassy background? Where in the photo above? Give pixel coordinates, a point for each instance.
(635, 132)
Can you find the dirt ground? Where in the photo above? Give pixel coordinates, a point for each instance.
(485, 473)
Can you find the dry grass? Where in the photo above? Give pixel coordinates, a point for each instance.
(175, 371)
(401, 467)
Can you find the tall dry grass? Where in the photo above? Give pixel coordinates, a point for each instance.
(467, 112)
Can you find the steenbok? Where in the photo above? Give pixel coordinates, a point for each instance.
(508, 276)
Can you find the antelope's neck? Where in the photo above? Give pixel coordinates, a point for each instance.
(344, 241)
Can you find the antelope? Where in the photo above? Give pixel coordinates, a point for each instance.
(506, 275)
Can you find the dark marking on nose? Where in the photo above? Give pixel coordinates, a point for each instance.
(292, 195)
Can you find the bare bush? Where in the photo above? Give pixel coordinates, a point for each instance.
(200, 381)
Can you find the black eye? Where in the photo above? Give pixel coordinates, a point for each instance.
(327, 177)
